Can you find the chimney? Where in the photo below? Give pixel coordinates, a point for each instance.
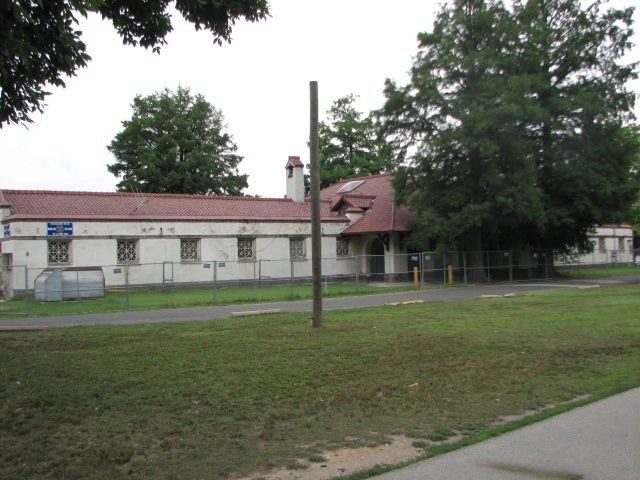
(295, 179)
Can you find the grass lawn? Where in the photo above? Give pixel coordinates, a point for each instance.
(593, 272)
(228, 397)
(149, 299)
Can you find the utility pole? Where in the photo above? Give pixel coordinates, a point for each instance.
(316, 225)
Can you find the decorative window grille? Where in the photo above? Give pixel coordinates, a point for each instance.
(342, 247)
(127, 251)
(189, 249)
(59, 252)
(246, 248)
(296, 248)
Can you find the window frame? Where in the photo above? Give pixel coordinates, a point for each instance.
(344, 251)
(241, 249)
(136, 251)
(297, 248)
(602, 245)
(194, 251)
(67, 253)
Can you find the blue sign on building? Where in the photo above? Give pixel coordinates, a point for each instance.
(60, 228)
(7, 231)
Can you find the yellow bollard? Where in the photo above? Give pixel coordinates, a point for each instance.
(415, 276)
(450, 268)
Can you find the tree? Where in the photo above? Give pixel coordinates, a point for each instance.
(508, 137)
(175, 143)
(349, 144)
(40, 43)
(456, 123)
(632, 147)
(584, 159)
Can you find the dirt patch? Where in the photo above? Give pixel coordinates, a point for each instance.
(507, 419)
(346, 461)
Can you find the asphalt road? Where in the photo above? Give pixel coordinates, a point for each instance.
(211, 313)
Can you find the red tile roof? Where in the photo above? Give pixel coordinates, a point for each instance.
(53, 205)
(376, 197)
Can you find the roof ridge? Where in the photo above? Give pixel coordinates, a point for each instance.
(359, 195)
(365, 177)
(137, 194)
(66, 192)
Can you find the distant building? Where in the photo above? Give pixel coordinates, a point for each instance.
(142, 239)
(612, 244)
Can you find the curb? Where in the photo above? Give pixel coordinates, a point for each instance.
(254, 312)
(19, 328)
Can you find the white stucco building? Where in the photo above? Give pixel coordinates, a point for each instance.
(612, 244)
(156, 238)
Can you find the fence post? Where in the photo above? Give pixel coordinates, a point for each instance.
(444, 269)
(126, 288)
(255, 284)
(292, 275)
(510, 265)
(464, 266)
(173, 293)
(77, 290)
(26, 290)
(215, 281)
(421, 263)
(356, 264)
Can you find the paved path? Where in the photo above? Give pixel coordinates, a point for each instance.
(210, 313)
(600, 441)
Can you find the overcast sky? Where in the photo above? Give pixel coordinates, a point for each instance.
(260, 82)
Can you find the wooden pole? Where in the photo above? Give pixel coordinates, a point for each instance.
(316, 225)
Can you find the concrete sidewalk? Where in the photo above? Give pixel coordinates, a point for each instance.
(599, 441)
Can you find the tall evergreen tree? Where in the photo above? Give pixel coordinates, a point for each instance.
(349, 144)
(512, 125)
(176, 143)
(570, 59)
(457, 123)
(633, 133)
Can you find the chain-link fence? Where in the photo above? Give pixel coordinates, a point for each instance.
(420, 269)
(428, 268)
(603, 258)
(208, 277)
